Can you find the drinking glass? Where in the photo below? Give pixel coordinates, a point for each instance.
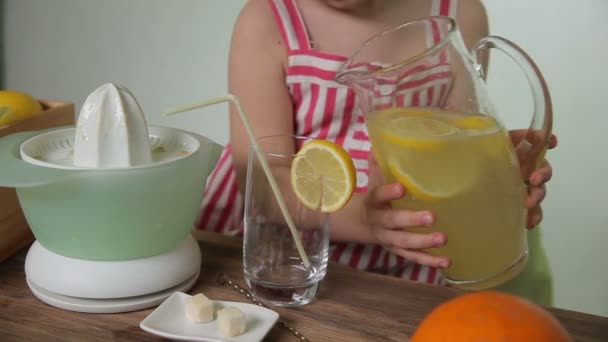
(273, 268)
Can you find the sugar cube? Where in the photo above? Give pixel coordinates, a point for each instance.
(199, 309)
(231, 321)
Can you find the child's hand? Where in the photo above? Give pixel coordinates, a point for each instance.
(388, 224)
(536, 184)
(537, 193)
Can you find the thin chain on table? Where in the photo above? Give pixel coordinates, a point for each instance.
(223, 279)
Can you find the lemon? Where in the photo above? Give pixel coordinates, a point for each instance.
(392, 112)
(433, 184)
(491, 137)
(478, 122)
(15, 106)
(323, 171)
(417, 132)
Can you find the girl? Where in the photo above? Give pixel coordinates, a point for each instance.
(283, 58)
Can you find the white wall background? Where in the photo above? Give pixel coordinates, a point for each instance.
(169, 53)
(174, 52)
(568, 41)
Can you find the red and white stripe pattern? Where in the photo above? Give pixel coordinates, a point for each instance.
(221, 208)
(328, 110)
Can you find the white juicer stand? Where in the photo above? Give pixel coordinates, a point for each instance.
(111, 286)
(111, 134)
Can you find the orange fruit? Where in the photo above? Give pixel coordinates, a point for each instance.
(489, 316)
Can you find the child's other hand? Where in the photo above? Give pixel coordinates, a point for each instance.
(536, 184)
(537, 193)
(388, 225)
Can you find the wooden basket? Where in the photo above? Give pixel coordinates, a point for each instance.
(14, 230)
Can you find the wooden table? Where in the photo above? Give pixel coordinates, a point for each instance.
(351, 306)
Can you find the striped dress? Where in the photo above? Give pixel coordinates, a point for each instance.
(325, 109)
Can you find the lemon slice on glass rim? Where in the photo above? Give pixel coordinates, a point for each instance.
(323, 171)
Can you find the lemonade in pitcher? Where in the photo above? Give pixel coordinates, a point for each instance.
(463, 168)
(433, 128)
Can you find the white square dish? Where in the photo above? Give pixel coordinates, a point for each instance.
(169, 320)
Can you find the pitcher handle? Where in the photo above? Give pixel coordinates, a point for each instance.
(532, 147)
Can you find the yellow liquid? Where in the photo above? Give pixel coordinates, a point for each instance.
(463, 168)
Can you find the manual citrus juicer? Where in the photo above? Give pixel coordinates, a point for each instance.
(111, 203)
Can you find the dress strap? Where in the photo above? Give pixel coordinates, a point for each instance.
(291, 24)
(444, 7)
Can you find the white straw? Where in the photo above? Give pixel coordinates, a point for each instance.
(261, 157)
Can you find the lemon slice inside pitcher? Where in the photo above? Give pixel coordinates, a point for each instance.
(323, 176)
(429, 186)
(492, 140)
(428, 152)
(417, 129)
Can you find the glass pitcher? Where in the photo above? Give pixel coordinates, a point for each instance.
(433, 128)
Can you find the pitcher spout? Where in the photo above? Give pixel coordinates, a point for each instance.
(388, 67)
